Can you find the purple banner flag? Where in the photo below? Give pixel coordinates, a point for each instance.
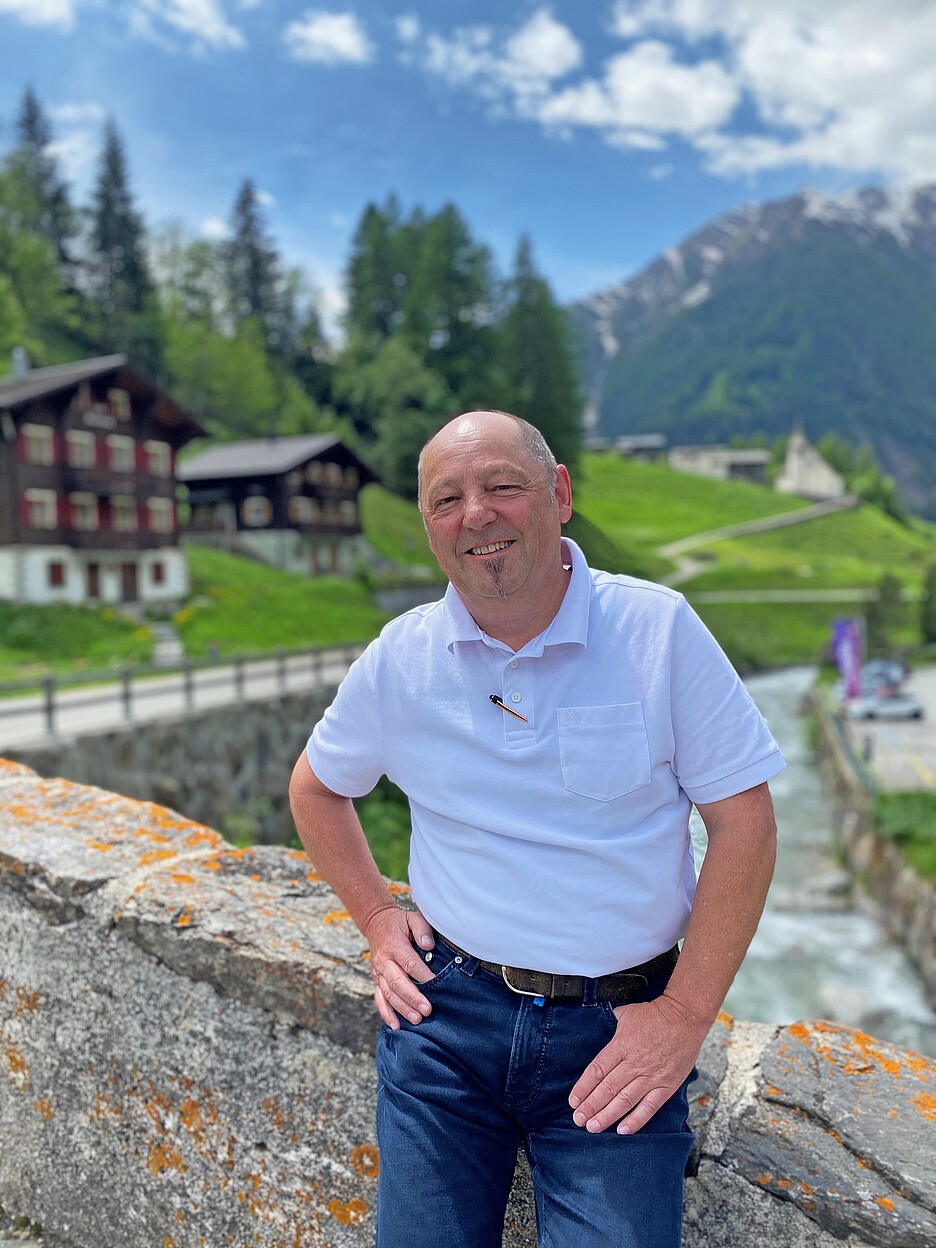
(847, 646)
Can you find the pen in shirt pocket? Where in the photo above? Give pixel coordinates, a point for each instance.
(499, 701)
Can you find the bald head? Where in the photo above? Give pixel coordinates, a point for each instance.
(475, 425)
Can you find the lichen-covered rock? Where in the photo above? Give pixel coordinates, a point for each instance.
(185, 1036)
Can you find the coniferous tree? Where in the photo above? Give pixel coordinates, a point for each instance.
(928, 606)
(376, 278)
(118, 277)
(42, 196)
(541, 381)
(252, 266)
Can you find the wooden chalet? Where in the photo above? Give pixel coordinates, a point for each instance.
(87, 485)
(290, 501)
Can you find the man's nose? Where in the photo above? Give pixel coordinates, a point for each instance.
(478, 511)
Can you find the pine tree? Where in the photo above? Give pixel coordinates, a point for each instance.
(376, 279)
(43, 203)
(118, 277)
(928, 606)
(252, 267)
(541, 380)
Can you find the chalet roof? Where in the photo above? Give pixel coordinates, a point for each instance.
(39, 382)
(259, 457)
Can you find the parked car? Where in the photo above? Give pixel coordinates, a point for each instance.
(885, 703)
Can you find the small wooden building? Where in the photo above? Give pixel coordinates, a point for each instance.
(290, 501)
(87, 485)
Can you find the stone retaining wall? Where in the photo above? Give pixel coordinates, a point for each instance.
(185, 1061)
(907, 901)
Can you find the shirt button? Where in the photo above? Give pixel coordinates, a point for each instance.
(514, 662)
(516, 696)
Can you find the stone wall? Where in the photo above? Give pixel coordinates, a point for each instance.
(213, 764)
(185, 1061)
(907, 902)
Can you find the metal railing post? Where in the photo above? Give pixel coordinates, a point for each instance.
(189, 685)
(281, 669)
(48, 684)
(126, 676)
(239, 676)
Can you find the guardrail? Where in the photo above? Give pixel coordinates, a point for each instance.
(133, 684)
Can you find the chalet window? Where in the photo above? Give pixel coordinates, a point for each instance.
(84, 511)
(158, 572)
(256, 512)
(160, 514)
(315, 472)
(119, 403)
(351, 478)
(121, 452)
(158, 458)
(123, 513)
(55, 571)
(294, 480)
(333, 474)
(41, 509)
(79, 448)
(349, 512)
(300, 509)
(39, 444)
(329, 513)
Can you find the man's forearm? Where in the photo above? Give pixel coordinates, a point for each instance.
(729, 899)
(332, 836)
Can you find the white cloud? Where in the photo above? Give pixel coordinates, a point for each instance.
(662, 171)
(845, 84)
(408, 27)
(41, 12)
(75, 114)
(265, 198)
(214, 228)
(202, 23)
(329, 39)
(77, 142)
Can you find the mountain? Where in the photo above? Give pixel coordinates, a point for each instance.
(812, 310)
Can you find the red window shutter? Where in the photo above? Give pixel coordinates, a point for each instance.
(100, 453)
(141, 459)
(63, 519)
(25, 517)
(104, 513)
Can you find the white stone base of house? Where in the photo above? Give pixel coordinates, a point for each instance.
(292, 551)
(49, 574)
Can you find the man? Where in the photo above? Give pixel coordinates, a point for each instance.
(551, 727)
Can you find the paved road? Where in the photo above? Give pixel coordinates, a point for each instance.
(902, 752)
(97, 708)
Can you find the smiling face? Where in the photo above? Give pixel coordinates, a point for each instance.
(493, 522)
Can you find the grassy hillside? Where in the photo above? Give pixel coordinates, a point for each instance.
(35, 641)
(238, 604)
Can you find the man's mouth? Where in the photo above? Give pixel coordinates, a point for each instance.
(491, 549)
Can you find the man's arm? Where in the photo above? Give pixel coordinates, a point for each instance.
(333, 838)
(657, 1042)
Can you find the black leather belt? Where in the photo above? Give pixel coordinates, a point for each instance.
(621, 986)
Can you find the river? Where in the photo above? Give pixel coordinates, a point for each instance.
(816, 954)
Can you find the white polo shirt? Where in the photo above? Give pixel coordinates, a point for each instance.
(560, 844)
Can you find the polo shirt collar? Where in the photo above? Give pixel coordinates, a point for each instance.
(568, 626)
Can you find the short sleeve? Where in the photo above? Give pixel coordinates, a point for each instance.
(345, 748)
(722, 743)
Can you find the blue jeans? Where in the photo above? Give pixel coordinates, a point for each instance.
(487, 1072)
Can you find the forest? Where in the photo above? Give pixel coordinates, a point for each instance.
(233, 330)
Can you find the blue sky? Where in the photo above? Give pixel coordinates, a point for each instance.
(607, 131)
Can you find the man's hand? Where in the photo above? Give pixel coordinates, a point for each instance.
(395, 964)
(653, 1051)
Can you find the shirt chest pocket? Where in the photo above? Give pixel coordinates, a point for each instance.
(603, 750)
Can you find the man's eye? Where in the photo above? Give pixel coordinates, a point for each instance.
(505, 486)
(444, 502)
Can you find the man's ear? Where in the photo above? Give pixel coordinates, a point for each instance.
(563, 493)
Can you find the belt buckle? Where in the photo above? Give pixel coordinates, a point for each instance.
(524, 992)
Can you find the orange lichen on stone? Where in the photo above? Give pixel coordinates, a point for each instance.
(886, 1203)
(704, 1099)
(726, 1020)
(156, 837)
(182, 877)
(775, 1092)
(892, 1113)
(169, 1242)
(366, 955)
(313, 877)
(255, 879)
(805, 1188)
(44, 1109)
(183, 919)
(349, 1213)
(295, 853)
(926, 1105)
(271, 1105)
(202, 836)
(211, 864)
(101, 845)
(163, 1157)
(398, 889)
(155, 855)
(764, 1179)
(19, 1070)
(366, 1160)
(26, 1002)
(336, 916)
